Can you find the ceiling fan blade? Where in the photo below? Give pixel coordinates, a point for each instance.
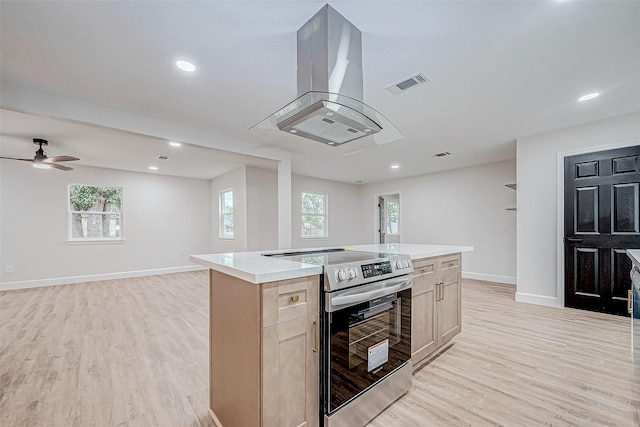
(61, 167)
(58, 159)
(15, 158)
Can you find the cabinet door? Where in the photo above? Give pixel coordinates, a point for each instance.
(423, 319)
(448, 309)
(290, 373)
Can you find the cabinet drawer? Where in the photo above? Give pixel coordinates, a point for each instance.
(289, 299)
(424, 267)
(423, 283)
(449, 264)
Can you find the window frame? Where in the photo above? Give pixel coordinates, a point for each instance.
(94, 240)
(222, 234)
(325, 216)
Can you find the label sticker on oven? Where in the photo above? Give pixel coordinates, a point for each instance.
(378, 355)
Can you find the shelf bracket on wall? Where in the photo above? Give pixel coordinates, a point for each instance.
(511, 186)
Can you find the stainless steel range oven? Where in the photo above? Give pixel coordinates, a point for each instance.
(366, 330)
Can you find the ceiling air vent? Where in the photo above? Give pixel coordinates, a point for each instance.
(408, 83)
(162, 157)
(443, 154)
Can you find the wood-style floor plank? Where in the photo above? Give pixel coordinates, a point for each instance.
(134, 352)
(517, 364)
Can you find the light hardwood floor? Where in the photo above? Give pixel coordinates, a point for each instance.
(134, 352)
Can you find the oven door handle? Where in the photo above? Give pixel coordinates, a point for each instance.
(368, 296)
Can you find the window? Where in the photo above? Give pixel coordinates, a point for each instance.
(95, 213)
(393, 217)
(226, 214)
(314, 215)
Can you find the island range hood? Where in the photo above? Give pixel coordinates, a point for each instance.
(329, 107)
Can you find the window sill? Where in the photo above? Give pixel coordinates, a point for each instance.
(94, 241)
(226, 238)
(315, 238)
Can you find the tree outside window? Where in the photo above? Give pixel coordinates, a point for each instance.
(226, 214)
(95, 212)
(393, 217)
(314, 215)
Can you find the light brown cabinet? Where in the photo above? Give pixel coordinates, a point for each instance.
(290, 354)
(435, 305)
(264, 352)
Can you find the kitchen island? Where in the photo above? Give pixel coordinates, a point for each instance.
(264, 329)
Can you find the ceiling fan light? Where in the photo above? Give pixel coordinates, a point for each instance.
(40, 165)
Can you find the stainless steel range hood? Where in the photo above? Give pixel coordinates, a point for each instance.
(329, 107)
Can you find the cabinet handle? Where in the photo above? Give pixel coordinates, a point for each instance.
(629, 301)
(317, 333)
(423, 270)
(451, 264)
(438, 291)
(295, 298)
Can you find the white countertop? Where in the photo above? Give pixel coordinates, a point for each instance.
(634, 254)
(255, 268)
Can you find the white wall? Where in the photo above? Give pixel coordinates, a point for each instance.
(539, 278)
(262, 209)
(345, 222)
(457, 207)
(237, 181)
(164, 220)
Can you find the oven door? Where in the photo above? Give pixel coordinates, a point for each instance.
(369, 331)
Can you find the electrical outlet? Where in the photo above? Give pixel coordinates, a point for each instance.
(8, 269)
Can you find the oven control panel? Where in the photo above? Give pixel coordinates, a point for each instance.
(376, 269)
(340, 276)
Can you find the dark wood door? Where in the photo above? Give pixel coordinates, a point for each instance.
(601, 209)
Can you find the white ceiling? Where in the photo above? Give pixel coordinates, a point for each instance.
(500, 70)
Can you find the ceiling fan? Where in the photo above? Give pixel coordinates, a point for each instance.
(41, 161)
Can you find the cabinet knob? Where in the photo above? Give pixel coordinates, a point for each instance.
(451, 264)
(295, 298)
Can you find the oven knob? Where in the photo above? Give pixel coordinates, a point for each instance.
(407, 263)
(353, 273)
(342, 275)
(399, 264)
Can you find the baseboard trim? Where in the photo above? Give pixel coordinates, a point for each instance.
(489, 277)
(9, 286)
(537, 299)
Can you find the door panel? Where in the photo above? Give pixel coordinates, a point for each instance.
(624, 216)
(602, 220)
(586, 210)
(586, 272)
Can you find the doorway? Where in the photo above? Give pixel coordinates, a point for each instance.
(601, 221)
(387, 223)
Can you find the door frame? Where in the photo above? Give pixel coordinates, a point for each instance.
(560, 206)
(376, 217)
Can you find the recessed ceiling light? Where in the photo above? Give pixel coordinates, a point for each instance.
(153, 168)
(293, 131)
(395, 166)
(588, 96)
(186, 66)
(329, 113)
(367, 130)
(175, 144)
(41, 166)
